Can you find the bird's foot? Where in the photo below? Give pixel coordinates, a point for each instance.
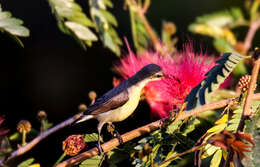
(120, 139)
(100, 149)
(114, 132)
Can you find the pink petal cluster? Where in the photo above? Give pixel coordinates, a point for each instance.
(184, 71)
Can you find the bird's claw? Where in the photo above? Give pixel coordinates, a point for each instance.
(120, 139)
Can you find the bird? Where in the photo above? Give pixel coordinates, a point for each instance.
(120, 102)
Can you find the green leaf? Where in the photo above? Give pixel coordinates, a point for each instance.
(217, 128)
(252, 127)
(199, 95)
(92, 162)
(139, 33)
(26, 163)
(110, 43)
(45, 125)
(191, 125)
(225, 18)
(12, 26)
(109, 17)
(215, 161)
(81, 32)
(15, 136)
(108, 3)
(116, 156)
(93, 137)
(222, 45)
(237, 114)
(209, 150)
(240, 69)
(73, 21)
(104, 22)
(173, 127)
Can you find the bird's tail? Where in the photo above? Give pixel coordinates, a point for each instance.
(84, 118)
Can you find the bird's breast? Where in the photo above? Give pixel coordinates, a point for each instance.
(121, 113)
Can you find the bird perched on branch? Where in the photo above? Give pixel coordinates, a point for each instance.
(121, 101)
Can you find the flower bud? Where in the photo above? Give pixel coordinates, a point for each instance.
(243, 83)
(41, 115)
(82, 107)
(169, 27)
(92, 95)
(24, 126)
(73, 144)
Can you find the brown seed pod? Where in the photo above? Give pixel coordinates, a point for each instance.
(92, 95)
(73, 144)
(24, 126)
(169, 27)
(82, 107)
(41, 115)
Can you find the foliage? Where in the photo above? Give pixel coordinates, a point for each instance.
(26, 163)
(12, 26)
(218, 25)
(105, 23)
(139, 33)
(92, 162)
(253, 127)
(73, 21)
(92, 137)
(200, 94)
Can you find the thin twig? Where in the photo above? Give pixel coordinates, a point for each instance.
(193, 149)
(111, 144)
(250, 34)
(252, 85)
(42, 136)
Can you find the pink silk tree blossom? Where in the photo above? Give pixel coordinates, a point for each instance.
(184, 71)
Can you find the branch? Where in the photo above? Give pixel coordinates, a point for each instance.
(42, 136)
(250, 34)
(111, 144)
(252, 85)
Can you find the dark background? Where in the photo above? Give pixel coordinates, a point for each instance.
(53, 73)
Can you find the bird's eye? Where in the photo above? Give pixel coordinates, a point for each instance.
(158, 76)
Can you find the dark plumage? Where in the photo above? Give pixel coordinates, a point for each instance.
(147, 71)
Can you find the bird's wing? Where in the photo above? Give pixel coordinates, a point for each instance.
(111, 100)
(110, 104)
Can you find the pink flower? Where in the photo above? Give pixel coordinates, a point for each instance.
(185, 70)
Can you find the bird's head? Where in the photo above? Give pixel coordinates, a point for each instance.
(150, 72)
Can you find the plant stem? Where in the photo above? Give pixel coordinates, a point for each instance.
(24, 138)
(193, 149)
(252, 85)
(60, 159)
